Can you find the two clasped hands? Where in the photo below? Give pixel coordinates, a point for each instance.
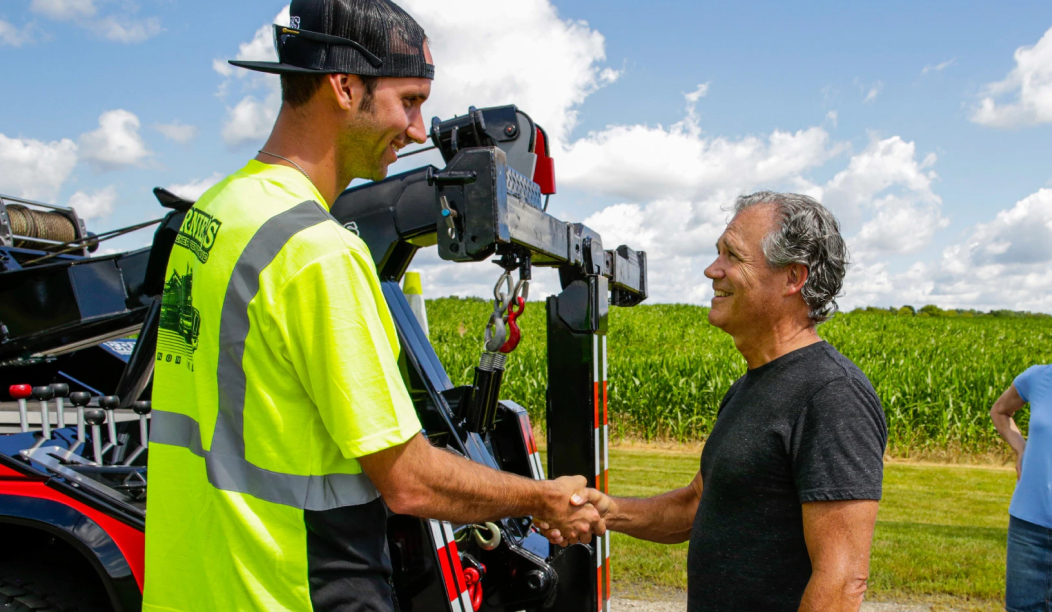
(583, 514)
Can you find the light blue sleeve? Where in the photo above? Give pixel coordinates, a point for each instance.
(1023, 381)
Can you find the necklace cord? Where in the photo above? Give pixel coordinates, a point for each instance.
(302, 171)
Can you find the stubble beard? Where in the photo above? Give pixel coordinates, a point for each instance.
(358, 158)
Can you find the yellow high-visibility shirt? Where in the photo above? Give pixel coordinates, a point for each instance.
(276, 368)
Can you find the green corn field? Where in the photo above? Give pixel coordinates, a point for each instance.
(669, 369)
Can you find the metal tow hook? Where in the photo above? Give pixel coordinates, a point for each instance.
(496, 333)
(490, 543)
(514, 333)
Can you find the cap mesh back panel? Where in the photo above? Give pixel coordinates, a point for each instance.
(380, 26)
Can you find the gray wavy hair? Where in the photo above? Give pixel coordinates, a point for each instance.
(806, 233)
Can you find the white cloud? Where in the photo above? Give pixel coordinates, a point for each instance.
(1021, 235)
(14, 36)
(939, 67)
(833, 117)
(116, 143)
(126, 30)
(699, 93)
(251, 119)
(874, 91)
(119, 27)
(544, 64)
(96, 204)
(883, 164)
(678, 237)
(641, 162)
(676, 184)
(63, 10)
(194, 189)
(222, 67)
(1030, 83)
(676, 187)
(179, 132)
(33, 169)
(1004, 263)
(261, 47)
(901, 225)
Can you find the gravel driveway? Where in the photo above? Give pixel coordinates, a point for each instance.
(638, 605)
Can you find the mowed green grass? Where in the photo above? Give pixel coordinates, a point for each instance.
(940, 534)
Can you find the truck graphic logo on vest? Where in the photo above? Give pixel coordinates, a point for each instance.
(198, 233)
(180, 323)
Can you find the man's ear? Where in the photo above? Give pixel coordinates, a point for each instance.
(346, 88)
(795, 277)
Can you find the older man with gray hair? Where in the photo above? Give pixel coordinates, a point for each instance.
(780, 517)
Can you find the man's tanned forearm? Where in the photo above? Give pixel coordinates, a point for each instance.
(666, 519)
(418, 479)
(835, 592)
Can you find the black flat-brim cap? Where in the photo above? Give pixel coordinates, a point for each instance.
(279, 68)
(311, 45)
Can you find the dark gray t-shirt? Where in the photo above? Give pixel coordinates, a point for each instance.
(805, 427)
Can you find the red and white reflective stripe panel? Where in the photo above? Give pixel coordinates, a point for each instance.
(601, 435)
(531, 447)
(605, 488)
(452, 570)
(599, 573)
(597, 423)
(606, 478)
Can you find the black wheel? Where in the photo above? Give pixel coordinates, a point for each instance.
(32, 586)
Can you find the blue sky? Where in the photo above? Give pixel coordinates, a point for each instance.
(662, 115)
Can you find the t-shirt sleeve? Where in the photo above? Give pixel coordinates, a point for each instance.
(1024, 381)
(837, 444)
(340, 340)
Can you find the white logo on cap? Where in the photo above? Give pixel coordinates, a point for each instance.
(294, 22)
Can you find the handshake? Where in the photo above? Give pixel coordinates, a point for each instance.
(576, 512)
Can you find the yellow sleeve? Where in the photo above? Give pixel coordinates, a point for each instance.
(342, 343)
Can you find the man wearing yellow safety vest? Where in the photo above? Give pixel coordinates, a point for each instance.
(281, 424)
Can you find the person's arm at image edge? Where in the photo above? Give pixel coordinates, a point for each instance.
(839, 535)
(1001, 413)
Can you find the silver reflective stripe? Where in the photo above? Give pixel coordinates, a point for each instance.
(229, 473)
(176, 429)
(228, 469)
(260, 251)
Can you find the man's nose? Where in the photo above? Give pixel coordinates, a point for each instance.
(713, 271)
(416, 131)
